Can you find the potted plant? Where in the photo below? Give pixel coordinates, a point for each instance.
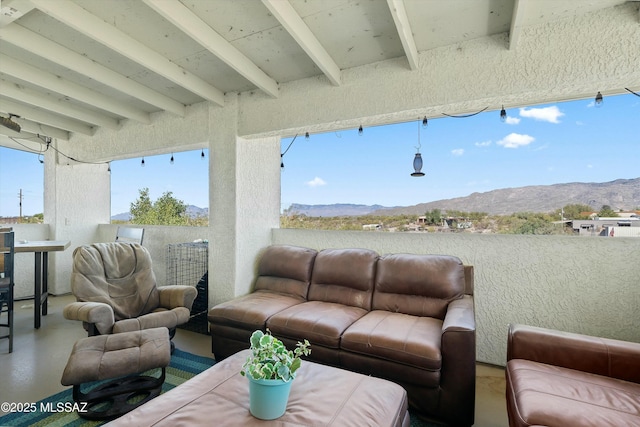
(271, 368)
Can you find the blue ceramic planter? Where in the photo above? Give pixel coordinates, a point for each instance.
(268, 398)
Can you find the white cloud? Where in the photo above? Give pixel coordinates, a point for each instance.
(515, 140)
(458, 152)
(483, 144)
(547, 114)
(316, 182)
(512, 120)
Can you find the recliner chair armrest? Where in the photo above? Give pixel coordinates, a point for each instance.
(175, 296)
(98, 313)
(602, 356)
(458, 374)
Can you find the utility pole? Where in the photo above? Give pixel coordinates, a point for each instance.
(20, 197)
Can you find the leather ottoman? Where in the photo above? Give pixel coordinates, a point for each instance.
(320, 396)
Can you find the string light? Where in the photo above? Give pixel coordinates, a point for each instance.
(599, 99)
(171, 161)
(202, 154)
(306, 135)
(425, 122)
(360, 130)
(285, 151)
(142, 162)
(503, 114)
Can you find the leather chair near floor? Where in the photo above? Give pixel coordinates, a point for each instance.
(557, 378)
(116, 291)
(7, 252)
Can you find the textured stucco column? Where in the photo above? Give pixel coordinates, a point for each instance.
(77, 199)
(244, 200)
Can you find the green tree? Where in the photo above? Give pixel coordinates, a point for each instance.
(606, 212)
(167, 210)
(142, 207)
(433, 217)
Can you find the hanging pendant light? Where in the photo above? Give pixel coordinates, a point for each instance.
(417, 165)
(417, 160)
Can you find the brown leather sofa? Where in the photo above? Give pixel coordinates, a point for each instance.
(564, 379)
(403, 317)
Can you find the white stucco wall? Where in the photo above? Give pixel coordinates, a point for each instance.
(257, 205)
(77, 199)
(583, 285)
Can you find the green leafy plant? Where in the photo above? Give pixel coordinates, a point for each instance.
(270, 359)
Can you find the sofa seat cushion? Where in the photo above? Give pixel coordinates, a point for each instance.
(549, 395)
(317, 321)
(406, 339)
(251, 311)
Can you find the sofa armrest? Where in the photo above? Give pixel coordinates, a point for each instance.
(602, 356)
(458, 379)
(175, 296)
(97, 313)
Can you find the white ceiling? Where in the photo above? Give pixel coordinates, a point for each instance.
(75, 65)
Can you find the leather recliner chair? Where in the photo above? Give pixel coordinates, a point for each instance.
(116, 291)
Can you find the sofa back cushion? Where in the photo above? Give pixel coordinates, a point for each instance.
(344, 276)
(419, 285)
(286, 270)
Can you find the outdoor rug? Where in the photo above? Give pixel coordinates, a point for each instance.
(183, 366)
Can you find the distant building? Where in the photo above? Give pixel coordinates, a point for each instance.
(372, 227)
(625, 225)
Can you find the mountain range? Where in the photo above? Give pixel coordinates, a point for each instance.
(621, 194)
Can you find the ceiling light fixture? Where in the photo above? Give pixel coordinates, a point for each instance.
(10, 124)
(202, 154)
(171, 161)
(425, 122)
(417, 160)
(306, 135)
(599, 99)
(142, 162)
(360, 130)
(503, 114)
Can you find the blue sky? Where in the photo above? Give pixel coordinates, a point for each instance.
(539, 145)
